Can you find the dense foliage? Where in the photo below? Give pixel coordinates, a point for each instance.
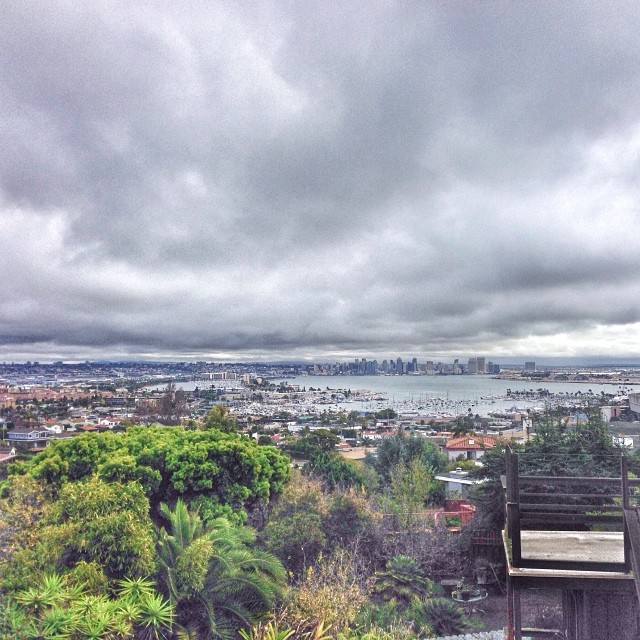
(145, 527)
(313, 444)
(335, 472)
(221, 473)
(307, 523)
(56, 607)
(401, 449)
(216, 580)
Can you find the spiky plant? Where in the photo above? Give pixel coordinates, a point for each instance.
(402, 580)
(217, 581)
(443, 616)
(266, 631)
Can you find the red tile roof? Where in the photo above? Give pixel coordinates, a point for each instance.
(468, 443)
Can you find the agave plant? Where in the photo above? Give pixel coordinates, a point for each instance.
(156, 617)
(443, 616)
(57, 612)
(48, 593)
(402, 580)
(266, 631)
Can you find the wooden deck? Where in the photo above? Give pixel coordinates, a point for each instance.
(573, 546)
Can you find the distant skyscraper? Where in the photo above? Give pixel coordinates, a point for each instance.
(399, 366)
(415, 364)
(472, 367)
(529, 366)
(480, 362)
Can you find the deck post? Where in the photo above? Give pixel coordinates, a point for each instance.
(624, 473)
(513, 508)
(510, 624)
(517, 615)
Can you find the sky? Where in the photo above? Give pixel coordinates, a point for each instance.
(268, 180)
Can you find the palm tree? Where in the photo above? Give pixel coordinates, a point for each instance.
(216, 581)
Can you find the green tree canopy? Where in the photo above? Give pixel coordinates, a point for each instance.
(334, 471)
(220, 418)
(109, 524)
(402, 449)
(315, 443)
(224, 473)
(93, 526)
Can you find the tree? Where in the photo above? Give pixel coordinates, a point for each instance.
(401, 449)
(24, 504)
(560, 447)
(352, 524)
(294, 532)
(224, 473)
(102, 525)
(217, 582)
(463, 426)
(411, 486)
(108, 523)
(334, 471)
(219, 418)
(315, 443)
(172, 406)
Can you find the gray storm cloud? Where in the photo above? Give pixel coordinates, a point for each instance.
(298, 180)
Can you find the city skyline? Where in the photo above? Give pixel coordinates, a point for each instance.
(206, 181)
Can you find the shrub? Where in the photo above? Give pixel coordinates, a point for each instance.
(330, 594)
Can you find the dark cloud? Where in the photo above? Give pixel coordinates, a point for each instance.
(203, 179)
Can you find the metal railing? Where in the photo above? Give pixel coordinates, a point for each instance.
(570, 503)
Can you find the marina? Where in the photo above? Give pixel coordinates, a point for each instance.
(419, 399)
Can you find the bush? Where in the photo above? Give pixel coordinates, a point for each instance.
(294, 532)
(331, 595)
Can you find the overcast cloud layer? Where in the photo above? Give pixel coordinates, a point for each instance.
(197, 179)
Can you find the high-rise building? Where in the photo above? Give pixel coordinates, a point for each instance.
(529, 366)
(480, 362)
(399, 366)
(472, 366)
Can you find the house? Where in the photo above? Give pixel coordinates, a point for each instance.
(470, 447)
(457, 484)
(29, 437)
